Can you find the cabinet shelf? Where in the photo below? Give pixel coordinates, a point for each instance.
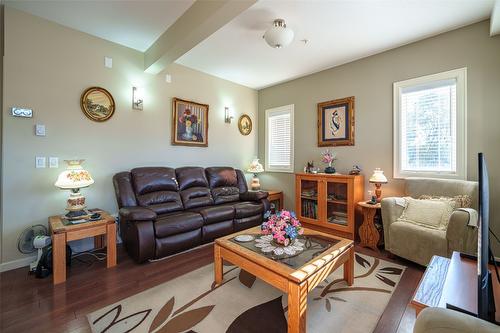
(320, 210)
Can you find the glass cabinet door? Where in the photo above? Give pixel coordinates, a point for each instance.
(309, 191)
(336, 204)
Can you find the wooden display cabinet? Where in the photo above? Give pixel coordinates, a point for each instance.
(328, 203)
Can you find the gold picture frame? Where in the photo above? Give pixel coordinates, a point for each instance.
(97, 104)
(336, 122)
(189, 123)
(245, 124)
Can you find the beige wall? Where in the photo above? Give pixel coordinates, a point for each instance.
(370, 81)
(47, 67)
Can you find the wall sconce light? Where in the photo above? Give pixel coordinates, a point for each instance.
(228, 115)
(137, 98)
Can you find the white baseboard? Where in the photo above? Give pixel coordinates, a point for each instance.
(10, 265)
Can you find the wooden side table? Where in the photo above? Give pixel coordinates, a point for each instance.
(275, 195)
(368, 232)
(61, 234)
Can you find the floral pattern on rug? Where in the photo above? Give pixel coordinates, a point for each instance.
(243, 303)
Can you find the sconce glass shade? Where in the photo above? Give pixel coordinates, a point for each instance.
(74, 176)
(255, 166)
(378, 177)
(137, 98)
(228, 115)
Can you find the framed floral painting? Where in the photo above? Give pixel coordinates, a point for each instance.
(189, 123)
(336, 122)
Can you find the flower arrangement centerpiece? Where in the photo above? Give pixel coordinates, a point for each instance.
(283, 226)
(328, 158)
(280, 231)
(188, 119)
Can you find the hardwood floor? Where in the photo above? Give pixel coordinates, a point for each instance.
(28, 304)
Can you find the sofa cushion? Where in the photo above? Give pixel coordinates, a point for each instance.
(191, 177)
(417, 243)
(247, 209)
(153, 179)
(247, 222)
(223, 184)
(216, 230)
(428, 213)
(196, 197)
(177, 223)
(216, 214)
(174, 244)
(161, 202)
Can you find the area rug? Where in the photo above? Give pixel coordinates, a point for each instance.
(244, 304)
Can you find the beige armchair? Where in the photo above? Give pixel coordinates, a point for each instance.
(418, 243)
(438, 320)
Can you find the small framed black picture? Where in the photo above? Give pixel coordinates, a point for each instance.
(336, 122)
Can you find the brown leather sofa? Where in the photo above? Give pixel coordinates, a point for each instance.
(165, 211)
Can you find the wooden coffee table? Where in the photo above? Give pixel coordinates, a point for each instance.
(295, 276)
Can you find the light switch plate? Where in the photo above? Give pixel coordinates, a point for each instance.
(108, 62)
(40, 162)
(53, 162)
(39, 130)
(168, 78)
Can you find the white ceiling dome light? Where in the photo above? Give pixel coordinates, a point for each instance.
(278, 35)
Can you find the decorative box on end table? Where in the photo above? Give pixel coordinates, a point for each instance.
(61, 234)
(369, 235)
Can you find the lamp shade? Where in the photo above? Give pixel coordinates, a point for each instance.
(378, 177)
(255, 166)
(278, 35)
(74, 176)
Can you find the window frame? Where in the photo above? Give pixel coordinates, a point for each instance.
(460, 75)
(277, 111)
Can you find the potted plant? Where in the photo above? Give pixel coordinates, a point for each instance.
(328, 158)
(283, 226)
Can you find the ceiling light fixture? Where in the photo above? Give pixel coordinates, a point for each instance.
(278, 35)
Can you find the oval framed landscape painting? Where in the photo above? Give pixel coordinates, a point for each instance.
(97, 104)
(245, 124)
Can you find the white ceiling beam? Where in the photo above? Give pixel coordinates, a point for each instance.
(495, 19)
(200, 21)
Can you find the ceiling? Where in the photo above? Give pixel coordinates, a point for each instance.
(136, 24)
(338, 31)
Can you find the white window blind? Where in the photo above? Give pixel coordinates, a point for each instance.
(430, 116)
(279, 139)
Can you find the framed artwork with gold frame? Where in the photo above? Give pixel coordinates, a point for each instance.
(336, 122)
(189, 123)
(97, 104)
(245, 124)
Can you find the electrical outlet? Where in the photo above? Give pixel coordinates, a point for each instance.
(53, 162)
(39, 130)
(40, 162)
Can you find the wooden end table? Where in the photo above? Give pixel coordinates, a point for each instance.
(296, 275)
(61, 234)
(275, 195)
(368, 233)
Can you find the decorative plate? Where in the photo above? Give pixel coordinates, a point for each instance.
(244, 238)
(97, 104)
(245, 124)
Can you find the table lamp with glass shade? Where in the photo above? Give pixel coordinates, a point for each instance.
(74, 178)
(255, 168)
(378, 179)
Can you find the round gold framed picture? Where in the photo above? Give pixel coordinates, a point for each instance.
(245, 124)
(97, 104)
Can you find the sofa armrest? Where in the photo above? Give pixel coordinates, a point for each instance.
(137, 214)
(391, 211)
(461, 237)
(253, 195)
(440, 320)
